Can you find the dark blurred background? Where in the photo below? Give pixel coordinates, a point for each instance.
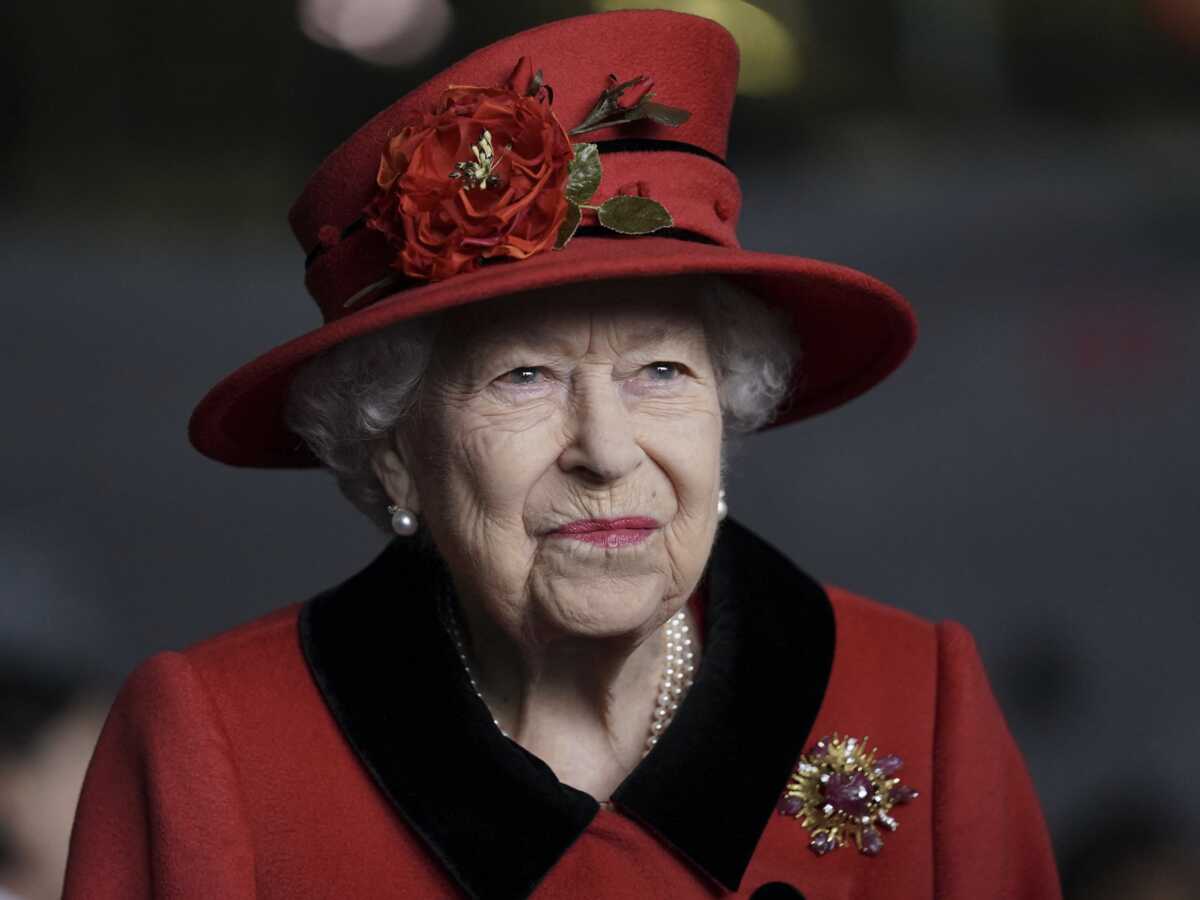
(1027, 172)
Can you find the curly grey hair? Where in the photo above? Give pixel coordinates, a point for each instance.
(346, 403)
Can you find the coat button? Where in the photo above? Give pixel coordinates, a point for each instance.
(776, 890)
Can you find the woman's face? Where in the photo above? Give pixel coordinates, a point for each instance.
(545, 416)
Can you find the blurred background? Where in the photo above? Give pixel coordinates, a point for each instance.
(1027, 172)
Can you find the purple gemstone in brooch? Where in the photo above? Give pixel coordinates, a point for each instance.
(842, 793)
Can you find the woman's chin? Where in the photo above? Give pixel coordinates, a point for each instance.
(605, 607)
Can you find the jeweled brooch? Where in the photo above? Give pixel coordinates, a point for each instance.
(842, 793)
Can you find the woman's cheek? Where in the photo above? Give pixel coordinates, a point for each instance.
(688, 450)
(506, 455)
(685, 432)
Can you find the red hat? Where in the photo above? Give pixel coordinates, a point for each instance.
(461, 191)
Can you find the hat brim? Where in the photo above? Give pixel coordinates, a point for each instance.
(853, 331)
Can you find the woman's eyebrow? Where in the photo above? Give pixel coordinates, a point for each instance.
(534, 337)
(681, 337)
(649, 334)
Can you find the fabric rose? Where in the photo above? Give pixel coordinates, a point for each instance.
(480, 176)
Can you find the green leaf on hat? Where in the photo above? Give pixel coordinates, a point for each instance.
(584, 173)
(566, 230)
(634, 215)
(665, 115)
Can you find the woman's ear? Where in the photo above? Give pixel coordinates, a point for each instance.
(395, 477)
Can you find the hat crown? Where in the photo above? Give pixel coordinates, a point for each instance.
(693, 61)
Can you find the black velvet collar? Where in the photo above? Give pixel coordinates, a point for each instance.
(495, 814)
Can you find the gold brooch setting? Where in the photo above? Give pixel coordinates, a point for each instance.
(844, 793)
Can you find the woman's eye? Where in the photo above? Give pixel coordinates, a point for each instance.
(522, 375)
(663, 371)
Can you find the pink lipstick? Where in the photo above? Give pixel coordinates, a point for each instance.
(610, 533)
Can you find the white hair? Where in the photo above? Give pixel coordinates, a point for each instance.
(346, 403)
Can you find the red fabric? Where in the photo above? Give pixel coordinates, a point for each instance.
(220, 774)
(853, 330)
(969, 722)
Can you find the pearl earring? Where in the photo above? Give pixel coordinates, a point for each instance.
(404, 521)
(722, 506)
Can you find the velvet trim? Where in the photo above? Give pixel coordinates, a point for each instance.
(496, 815)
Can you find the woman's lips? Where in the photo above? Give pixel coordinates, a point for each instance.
(621, 532)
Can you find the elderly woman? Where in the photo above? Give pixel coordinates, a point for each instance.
(565, 676)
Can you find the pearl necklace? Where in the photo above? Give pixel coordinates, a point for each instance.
(679, 670)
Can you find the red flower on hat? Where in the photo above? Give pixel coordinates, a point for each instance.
(481, 175)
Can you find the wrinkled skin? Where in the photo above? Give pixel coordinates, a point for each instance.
(592, 401)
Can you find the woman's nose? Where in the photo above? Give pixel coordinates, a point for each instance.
(601, 441)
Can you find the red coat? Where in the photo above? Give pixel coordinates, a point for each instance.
(334, 749)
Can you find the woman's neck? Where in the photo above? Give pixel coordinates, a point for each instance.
(583, 706)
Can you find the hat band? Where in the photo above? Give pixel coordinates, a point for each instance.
(396, 283)
(651, 145)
